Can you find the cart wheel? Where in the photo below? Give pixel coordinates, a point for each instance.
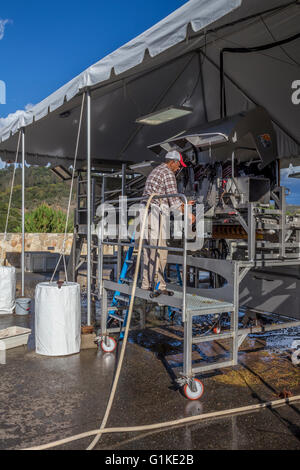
(217, 330)
(110, 346)
(194, 395)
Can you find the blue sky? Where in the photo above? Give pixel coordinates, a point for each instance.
(46, 44)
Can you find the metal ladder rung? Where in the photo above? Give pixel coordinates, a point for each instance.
(124, 279)
(116, 317)
(130, 261)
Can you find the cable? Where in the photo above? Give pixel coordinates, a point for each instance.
(98, 433)
(244, 50)
(188, 98)
(274, 39)
(254, 16)
(167, 424)
(62, 254)
(9, 202)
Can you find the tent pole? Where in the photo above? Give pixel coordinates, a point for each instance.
(23, 215)
(88, 121)
(120, 251)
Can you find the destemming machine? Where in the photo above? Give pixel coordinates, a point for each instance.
(251, 249)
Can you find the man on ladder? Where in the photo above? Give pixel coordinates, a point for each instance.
(161, 181)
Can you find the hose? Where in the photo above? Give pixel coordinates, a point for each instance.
(130, 310)
(181, 421)
(98, 433)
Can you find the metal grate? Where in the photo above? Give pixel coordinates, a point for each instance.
(199, 303)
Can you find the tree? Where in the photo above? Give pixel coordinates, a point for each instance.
(45, 219)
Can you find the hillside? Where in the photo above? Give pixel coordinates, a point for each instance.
(42, 186)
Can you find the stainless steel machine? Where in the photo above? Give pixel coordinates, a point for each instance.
(251, 245)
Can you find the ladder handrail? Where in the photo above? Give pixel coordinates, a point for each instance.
(184, 264)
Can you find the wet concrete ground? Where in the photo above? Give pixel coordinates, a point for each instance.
(43, 399)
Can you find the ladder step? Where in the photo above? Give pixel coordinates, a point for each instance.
(130, 261)
(113, 308)
(116, 317)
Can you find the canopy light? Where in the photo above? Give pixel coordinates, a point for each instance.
(204, 140)
(164, 115)
(62, 172)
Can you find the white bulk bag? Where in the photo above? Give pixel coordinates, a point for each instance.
(7, 289)
(57, 319)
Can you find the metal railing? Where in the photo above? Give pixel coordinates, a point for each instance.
(101, 242)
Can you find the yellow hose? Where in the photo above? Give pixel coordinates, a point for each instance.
(122, 354)
(176, 422)
(98, 433)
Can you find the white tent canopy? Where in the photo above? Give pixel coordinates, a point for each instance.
(176, 62)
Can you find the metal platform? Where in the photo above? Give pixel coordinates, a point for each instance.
(195, 304)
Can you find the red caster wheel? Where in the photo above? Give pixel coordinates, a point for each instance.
(109, 345)
(190, 394)
(217, 330)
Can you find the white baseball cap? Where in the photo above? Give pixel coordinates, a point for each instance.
(175, 155)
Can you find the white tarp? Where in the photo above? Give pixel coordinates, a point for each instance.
(57, 319)
(7, 289)
(177, 62)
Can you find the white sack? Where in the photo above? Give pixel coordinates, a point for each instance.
(57, 319)
(7, 289)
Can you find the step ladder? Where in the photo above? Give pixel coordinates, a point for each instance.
(118, 309)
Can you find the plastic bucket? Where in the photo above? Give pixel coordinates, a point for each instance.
(23, 306)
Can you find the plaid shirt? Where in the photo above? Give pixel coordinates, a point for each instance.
(162, 181)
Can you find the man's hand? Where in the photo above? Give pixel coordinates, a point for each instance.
(190, 203)
(192, 218)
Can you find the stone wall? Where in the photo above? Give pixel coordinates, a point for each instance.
(47, 242)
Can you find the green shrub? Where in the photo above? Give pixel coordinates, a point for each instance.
(45, 219)
(13, 221)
